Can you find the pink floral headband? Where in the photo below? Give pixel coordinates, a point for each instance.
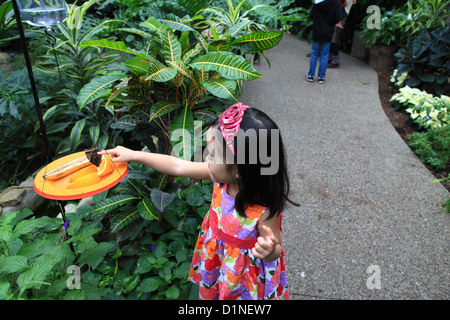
(230, 122)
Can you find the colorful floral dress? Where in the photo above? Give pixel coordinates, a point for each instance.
(223, 265)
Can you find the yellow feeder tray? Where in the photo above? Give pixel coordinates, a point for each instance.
(59, 189)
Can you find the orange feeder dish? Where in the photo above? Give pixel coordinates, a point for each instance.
(83, 183)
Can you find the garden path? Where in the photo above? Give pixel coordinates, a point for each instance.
(369, 207)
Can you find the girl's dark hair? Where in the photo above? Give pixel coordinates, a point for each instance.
(269, 190)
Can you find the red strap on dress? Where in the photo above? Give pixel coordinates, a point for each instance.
(220, 234)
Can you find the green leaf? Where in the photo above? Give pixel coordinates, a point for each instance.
(173, 292)
(182, 134)
(138, 64)
(227, 64)
(95, 89)
(260, 41)
(93, 256)
(176, 23)
(104, 43)
(75, 134)
(112, 203)
(194, 196)
(151, 284)
(123, 219)
(222, 88)
(159, 72)
(147, 209)
(241, 25)
(35, 276)
(192, 53)
(151, 23)
(161, 108)
(161, 199)
(13, 264)
(171, 47)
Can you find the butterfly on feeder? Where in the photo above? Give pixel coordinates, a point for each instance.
(91, 157)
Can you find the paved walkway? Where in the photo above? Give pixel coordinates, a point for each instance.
(366, 199)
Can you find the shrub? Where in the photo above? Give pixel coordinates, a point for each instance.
(432, 146)
(128, 254)
(425, 109)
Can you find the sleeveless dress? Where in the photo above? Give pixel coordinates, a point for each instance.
(223, 265)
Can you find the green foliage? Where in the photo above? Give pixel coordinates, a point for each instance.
(18, 116)
(446, 203)
(392, 30)
(183, 75)
(87, 125)
(121, 249)
(432, 146)
(426, 59)
(425, 109)
(427, 15)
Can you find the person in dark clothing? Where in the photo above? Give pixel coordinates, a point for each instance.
(325, 15)
(333, 58)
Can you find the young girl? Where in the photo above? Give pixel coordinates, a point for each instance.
(238, 254)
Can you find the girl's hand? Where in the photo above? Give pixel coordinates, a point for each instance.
(266, 246)
(120, 153)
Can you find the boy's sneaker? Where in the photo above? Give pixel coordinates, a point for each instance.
(309, 78)
(321, 80)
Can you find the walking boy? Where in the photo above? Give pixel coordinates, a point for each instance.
(325, 15)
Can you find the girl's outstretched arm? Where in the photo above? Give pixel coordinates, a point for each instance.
(161, 162)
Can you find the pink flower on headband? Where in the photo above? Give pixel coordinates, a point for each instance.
(230, 122)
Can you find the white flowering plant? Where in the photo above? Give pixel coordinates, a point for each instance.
(425, 109)
(398, 80)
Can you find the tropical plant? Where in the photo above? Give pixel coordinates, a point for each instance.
(426, 59)
(172, 82)
(427, 15)
(22, 149)
(77, 66)
(275, 15)
(108, 250)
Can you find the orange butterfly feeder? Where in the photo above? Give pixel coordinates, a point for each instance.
(75, 176)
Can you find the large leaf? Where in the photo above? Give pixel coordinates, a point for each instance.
(161, 108)
(182, 134)
(75, 134)
(112, 203)
(175, 22)
(147, 209)
(104, 43)
(181, 67)
(241, 25)
(138, 64)
(227, 64)
(222, 88)
(161, 199)
(123, 219)
(260, 41)
(159, 72)
(151, 24)
(96, 88)
(171, 47)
